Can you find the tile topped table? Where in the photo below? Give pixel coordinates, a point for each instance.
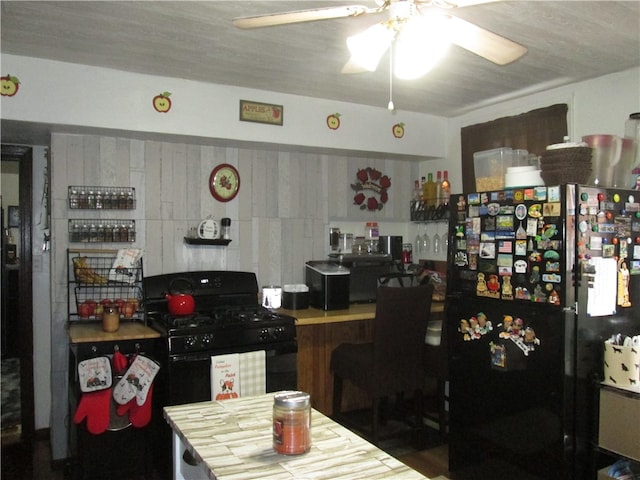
(233, 440)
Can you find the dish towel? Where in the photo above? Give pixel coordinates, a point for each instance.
(238, 374)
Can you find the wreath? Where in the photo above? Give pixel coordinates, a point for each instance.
(370, 180)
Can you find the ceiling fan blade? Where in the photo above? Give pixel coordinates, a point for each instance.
(493, 47)
(352, 67)
(456, 3)
(299, 16)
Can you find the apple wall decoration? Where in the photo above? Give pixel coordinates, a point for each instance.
(398, 130)
(9, 85)
(333, 121)
(162, 102)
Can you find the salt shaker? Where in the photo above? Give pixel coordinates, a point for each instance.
(225, 228)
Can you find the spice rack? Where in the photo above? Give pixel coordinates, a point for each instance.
(92, 280)
(101, 198)
(97, 230)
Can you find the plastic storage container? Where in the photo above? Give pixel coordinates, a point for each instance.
(295, 297)
(490, 167)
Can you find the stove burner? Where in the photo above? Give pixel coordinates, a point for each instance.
(222, 317)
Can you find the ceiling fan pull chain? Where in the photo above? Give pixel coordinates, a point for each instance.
(390, 106)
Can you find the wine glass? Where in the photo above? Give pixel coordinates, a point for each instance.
(426, 241)
(418, 242)
(436, 240)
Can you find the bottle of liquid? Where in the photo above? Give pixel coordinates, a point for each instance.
(417, 191)
(431, 191)
(438, 184)
(423, 187)
(445, 189)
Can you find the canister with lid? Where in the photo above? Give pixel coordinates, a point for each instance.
(110, 318)
(291, 422)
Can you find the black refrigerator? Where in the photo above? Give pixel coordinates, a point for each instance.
(538, 278)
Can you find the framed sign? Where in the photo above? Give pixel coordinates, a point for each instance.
(13, 220)
(261, 112)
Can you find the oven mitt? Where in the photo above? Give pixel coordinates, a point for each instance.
(120, 362)
(94, 406)
(136, 381)
(94, 378)
(139, 415)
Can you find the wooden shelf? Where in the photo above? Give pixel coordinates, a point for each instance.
(205, 241)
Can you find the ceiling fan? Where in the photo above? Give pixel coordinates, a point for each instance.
(419, 28)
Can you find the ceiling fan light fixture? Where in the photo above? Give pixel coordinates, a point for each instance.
(368, 46)
(419, 46)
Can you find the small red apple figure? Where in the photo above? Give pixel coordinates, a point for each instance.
(398, 130)
(333, 121)
(276, 112)
(9, 86)
(162, 102)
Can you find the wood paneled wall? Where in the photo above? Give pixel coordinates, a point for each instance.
(279, 219)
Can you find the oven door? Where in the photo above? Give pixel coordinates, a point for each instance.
(188, 376)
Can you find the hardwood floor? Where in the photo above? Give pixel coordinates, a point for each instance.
(432, 463)
(24, 463)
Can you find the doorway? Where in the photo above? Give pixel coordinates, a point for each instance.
(17, 301)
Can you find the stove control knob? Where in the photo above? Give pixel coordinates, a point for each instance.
(264, 334)
(207, 339)
(189, 342)
(278, 331)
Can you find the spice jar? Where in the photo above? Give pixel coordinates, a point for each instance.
(291, 422)
(111, 317)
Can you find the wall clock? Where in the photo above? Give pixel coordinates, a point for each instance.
(224, 182)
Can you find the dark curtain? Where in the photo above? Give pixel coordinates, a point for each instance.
(531, 131)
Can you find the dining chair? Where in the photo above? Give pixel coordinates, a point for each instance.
(393, 363)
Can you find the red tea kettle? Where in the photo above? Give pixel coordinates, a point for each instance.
(180, 303)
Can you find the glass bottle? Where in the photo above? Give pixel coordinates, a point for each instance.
(91, 199)
(445, 189)
(438, 187)
(431, 191)
(73, 199)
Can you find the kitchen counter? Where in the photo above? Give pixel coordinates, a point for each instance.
(356, 311)
(233, 440)
(92, 332)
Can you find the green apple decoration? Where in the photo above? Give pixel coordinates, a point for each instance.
(398, 130)
(162, 102)
(9, 85)
(333, 121)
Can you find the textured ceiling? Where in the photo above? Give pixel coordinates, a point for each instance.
(568, 41)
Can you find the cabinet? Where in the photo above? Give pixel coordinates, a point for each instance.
(96, 278)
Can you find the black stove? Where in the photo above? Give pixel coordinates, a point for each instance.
(227, 317)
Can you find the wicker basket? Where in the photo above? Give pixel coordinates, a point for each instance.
(565, 165)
